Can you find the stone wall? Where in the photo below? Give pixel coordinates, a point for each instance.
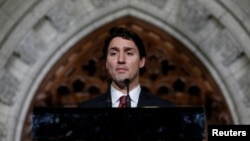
(34, 34)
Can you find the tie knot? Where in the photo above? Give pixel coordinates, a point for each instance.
(122, 103)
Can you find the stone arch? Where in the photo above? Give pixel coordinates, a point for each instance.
(74, 77)
(18, 111)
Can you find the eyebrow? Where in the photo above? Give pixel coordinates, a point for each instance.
(126, 48)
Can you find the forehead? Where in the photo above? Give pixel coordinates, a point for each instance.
(119, 42)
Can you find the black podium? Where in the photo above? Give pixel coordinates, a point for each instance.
(118, 124)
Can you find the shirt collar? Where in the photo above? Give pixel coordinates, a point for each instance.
(134, 95)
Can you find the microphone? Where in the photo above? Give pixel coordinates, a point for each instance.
(109, 102)
(126, 82)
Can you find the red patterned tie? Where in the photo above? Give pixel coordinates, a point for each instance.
(122, 103)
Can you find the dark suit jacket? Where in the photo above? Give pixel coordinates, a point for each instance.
(145, 99)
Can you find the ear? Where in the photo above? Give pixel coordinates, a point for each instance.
(142, 62)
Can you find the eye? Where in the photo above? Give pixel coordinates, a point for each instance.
(130, 53)
(112, 53)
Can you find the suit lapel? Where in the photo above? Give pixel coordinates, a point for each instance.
(144, 99)
(106, 102)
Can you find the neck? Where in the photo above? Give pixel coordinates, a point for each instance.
(123, 88)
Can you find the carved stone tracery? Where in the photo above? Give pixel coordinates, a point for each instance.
(8, 86)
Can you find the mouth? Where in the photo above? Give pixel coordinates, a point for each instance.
(121, 70)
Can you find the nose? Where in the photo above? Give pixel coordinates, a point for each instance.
(121, 59)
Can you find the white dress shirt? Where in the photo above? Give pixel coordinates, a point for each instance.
(133, 94)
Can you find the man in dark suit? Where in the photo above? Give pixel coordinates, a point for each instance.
(125, 55)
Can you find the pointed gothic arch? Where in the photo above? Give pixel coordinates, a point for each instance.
(171, 72)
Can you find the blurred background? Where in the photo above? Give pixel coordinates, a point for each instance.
(197, 55)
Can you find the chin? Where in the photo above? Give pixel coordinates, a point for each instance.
(120, 80)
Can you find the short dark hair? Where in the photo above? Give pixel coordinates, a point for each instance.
(126, 34)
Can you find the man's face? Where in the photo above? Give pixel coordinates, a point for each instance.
(123, 60)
